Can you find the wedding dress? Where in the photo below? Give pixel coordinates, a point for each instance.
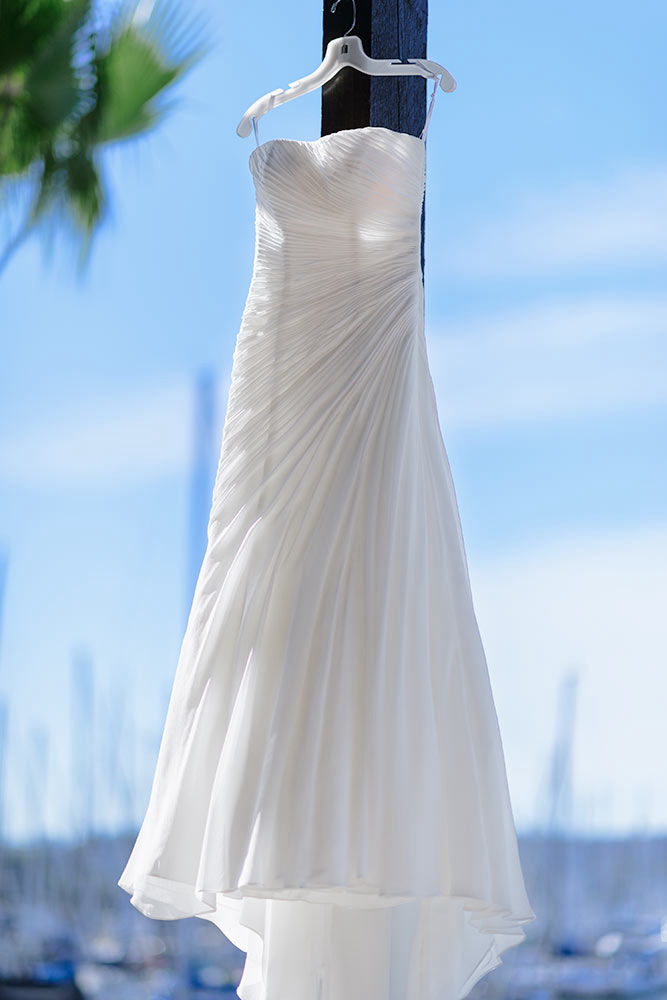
(330, 788)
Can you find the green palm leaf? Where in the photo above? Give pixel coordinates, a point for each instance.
(68, 88)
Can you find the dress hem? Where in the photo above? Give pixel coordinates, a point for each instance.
(170, 892)
(231, 910)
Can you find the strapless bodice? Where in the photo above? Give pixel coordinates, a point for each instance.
(331, 195)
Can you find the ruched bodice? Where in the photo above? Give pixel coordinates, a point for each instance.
(331, 737)
(338, 216)
(352, 191)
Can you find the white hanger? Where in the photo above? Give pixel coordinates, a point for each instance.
(347, 50)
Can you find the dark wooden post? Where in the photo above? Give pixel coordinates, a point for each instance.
(352, 99)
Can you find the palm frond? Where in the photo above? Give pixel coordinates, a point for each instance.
(70, 85)
(143, 57)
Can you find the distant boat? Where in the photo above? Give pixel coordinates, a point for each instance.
(624, 965)
(39, 989)
(626, 980)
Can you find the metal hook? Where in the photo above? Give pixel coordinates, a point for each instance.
(354, 16)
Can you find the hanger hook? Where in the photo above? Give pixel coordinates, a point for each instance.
(354, 16)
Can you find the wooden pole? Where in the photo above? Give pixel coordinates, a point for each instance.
(395, 30)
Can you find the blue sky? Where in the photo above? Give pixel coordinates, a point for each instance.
(546, 324)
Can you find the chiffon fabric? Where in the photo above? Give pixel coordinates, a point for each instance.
(330, 788)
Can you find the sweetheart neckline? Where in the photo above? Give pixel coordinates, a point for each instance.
(331, 135)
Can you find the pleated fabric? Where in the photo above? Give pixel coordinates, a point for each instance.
(330, 788)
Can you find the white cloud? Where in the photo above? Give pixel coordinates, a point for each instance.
(124, 437)
(595, 603)
(620, 220)
(552, 359)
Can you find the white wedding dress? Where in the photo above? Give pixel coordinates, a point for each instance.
(330, 788)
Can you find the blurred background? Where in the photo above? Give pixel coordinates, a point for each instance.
(546, 325)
